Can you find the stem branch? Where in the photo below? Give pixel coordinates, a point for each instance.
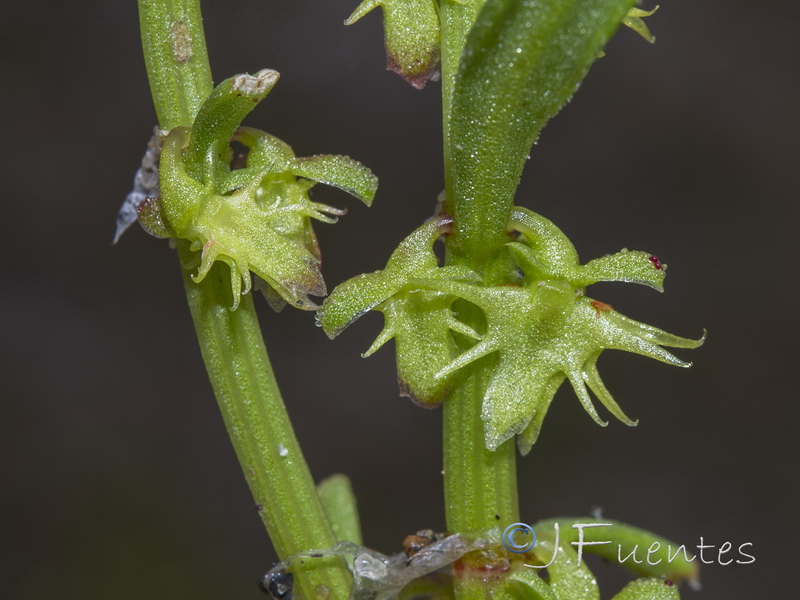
(231, 343)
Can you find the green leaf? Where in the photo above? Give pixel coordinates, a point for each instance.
(266, 152)
(522, 62)
(220, 115)
(339, 504)
(525, 584)
(543, 333)
(256, 218)
(412, 259)
(569, 578)
(649, 589)
(238, 230)
(420, 323)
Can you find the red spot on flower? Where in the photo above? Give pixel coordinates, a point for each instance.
(668, 583)
(656, 262)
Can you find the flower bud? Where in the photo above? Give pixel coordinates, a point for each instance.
(411, 30)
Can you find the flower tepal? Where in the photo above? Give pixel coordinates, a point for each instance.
(546, 330)
(255, 217)
(419, 320)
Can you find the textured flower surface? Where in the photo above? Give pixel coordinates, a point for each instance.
(418, 320)
(411, 30)
(546, 330)
(543, 328)
(256, 217)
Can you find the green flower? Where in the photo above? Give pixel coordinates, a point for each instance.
(546, 330)
(256, 218)
(543, 328)
(420, 321)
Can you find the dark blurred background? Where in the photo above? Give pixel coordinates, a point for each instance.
(117, 476)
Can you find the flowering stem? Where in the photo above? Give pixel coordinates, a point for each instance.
(231, 342)
(508, 66)
(480, 486)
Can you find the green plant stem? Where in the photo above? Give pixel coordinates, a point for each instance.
(519, 63)
(262, 435)
(176, 59)
(480, 486)
(231, 342)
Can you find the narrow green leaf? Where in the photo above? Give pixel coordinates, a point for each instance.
(266, 151)
(413, 258)
(339, 504)
(354, 298)
(522, 62)
(221, 114)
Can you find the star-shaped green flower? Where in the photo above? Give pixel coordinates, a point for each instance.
(543, 328)
(418, 320)
(546, 330)
(255, 218)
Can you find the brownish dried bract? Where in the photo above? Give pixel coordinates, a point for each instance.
(414, 543)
